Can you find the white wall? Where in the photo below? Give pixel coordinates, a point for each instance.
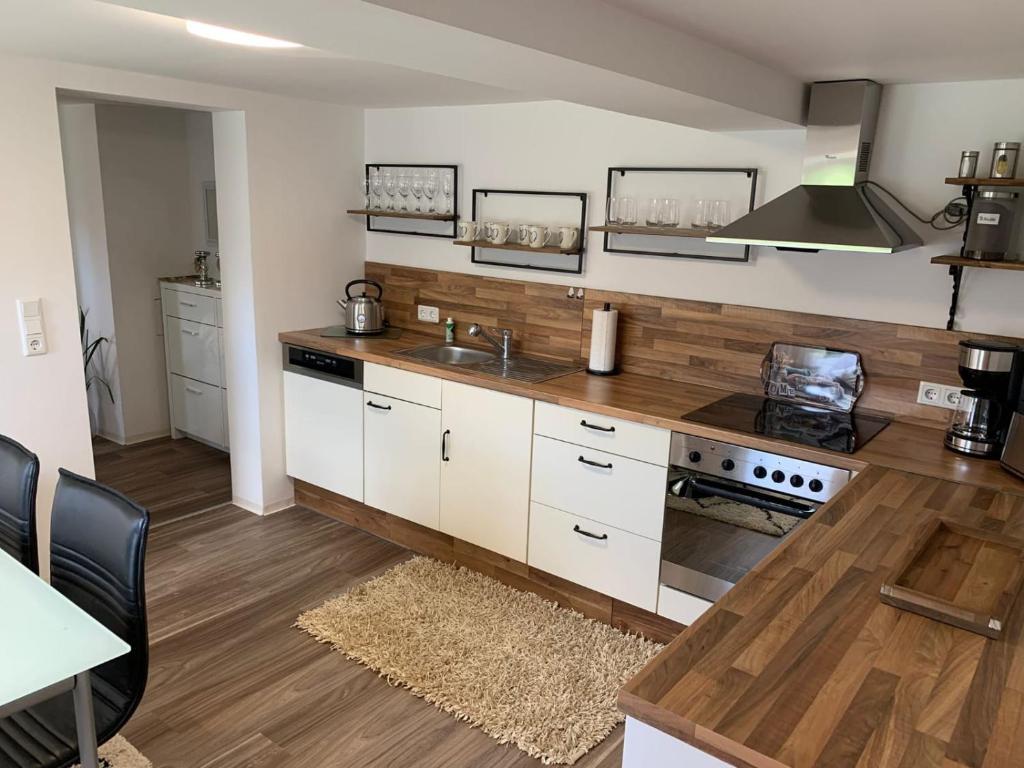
(199, 130)
(561, 146)
(300, 159)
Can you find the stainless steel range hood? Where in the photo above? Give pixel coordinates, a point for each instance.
(833, 209)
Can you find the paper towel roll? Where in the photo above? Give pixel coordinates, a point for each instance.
(602, 341)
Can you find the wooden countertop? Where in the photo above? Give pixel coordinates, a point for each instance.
(801, 665)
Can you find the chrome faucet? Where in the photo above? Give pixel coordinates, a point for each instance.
(503, 345)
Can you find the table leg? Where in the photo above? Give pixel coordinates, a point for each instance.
(85, 722)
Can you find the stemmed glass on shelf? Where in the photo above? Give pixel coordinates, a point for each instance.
(403, 190)
(389, 189)
(377, 188)
(430, 190)
(417, 189)
(446, 187)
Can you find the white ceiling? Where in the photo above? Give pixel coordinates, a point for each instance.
(892, 41)
(100, 34)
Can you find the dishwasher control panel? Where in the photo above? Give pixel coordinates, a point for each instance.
(324, 365)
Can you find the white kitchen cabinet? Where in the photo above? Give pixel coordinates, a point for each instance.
(197, 409)
(485, 470)
(193, 350)
(402, 457)
(324, 433)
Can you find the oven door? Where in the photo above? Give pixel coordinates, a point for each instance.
(717, 530)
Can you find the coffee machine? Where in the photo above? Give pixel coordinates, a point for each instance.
(991, 372)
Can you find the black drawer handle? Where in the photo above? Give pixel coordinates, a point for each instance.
(444, 444)
(579, 530)
(583, 423)
(597, 464)
(378, 407)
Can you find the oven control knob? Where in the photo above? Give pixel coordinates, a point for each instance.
(816, 486)
(728, 465)
(796, 481)
(760, 473)
(695, 457)
(778, 476)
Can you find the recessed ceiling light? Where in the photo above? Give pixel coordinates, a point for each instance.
(233, 36)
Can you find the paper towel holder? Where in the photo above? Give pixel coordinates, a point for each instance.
(603, 365)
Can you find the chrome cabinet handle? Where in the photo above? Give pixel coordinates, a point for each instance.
(444, 444)
(582, 532)
(372, 404)
(187, 332)
(583, 423)
(597, 464)
(192, 391)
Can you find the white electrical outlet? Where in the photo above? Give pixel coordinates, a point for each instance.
(427, 314)
(939, 395)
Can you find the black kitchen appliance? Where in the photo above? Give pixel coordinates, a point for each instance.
(991, 372)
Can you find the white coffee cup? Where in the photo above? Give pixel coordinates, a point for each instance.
(538, 236)
(500, 232)
(467, 230)
(523, 233)
(567, 237)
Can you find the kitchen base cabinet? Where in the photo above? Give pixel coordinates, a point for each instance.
(402, 461)
(598, 556)
(485, 467)
(198, 409)
(324, 433)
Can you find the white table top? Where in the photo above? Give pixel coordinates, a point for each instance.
(44, 637)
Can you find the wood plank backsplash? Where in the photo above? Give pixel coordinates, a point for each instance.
(543, 319)
(717, 345)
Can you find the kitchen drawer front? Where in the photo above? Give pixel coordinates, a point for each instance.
(615, 563)
(680, 606)
(190, 306)
(193, 350)
(629, 494)
(625, 438)
(404, 385)
(198, 409)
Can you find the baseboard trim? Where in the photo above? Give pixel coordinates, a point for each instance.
(263, 509)
(442, 546)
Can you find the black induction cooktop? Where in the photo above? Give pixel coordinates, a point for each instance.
(803, 424)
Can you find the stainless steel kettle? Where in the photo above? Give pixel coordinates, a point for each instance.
(363, 314)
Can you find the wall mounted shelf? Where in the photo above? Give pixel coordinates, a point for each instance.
(979, 182)
(516, 247)
(960, 261)
(375, 217)
(716, 253)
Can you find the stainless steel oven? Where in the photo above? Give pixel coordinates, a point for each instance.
(726, 508)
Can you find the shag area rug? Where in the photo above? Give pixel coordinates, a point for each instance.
(118, 753)
(515, 665)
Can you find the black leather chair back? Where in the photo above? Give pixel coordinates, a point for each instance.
(19, 478)
(97, 560)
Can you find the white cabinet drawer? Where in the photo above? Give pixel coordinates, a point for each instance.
(405, 385)
(626, 438)
(198, 409)
(193, 350)
(680, 606)
(625, 493)
(190, 306)
(597, 556)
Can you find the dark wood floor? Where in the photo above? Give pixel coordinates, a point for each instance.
(233, 684)
(171, 478)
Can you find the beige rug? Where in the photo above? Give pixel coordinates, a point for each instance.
(517, 666)
(118, 753)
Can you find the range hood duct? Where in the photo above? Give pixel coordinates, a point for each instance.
(833, 209)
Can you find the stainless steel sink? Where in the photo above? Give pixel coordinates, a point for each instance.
(528, 369)
(450, 355)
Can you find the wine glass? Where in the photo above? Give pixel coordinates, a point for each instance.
(446, 187)
(430, 190)
(417, 189)
(390, 184)
(403, 190)
(377, 187)
(364, 183)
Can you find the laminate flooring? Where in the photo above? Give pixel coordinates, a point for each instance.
(232, 683)
(171, 478)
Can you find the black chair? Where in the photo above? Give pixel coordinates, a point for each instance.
(97, 560)
(19, 477)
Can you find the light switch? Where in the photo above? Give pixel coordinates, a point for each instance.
(33, 334)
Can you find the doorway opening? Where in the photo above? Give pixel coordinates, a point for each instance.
(141, 192)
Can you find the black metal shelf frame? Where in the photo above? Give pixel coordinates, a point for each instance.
(383, 215)
(582, 238)
(750, 173)
(956, 271)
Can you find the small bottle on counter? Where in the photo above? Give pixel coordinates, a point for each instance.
(449, 331)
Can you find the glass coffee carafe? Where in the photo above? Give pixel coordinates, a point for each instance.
(974, 427)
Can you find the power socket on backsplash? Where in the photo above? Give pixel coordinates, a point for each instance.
(427, 314)
(939, 395)
(574, 293)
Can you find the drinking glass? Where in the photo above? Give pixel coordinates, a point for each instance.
(627, 210)
(699, 219)
(719, 214)
(403, 190)
(390, 185)
(417, 189)
(364, 183)
(377, 187)
(668, 213)
(430, 190)
(612, 214)
(653, 209)
(446, 188)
